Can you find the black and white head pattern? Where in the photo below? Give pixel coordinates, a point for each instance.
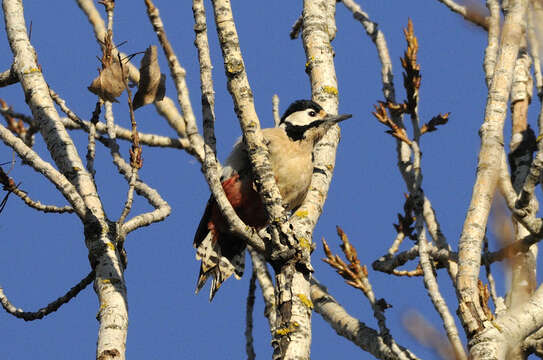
(301, 116)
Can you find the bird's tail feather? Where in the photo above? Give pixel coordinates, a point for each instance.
(215, 262)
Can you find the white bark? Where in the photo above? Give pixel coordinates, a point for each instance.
(109, 284)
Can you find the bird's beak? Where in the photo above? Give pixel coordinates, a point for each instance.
(334, 119)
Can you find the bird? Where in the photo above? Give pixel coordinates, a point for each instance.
(290, 147)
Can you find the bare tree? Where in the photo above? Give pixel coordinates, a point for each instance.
(506, 329)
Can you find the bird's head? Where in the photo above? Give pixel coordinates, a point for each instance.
(306, 120)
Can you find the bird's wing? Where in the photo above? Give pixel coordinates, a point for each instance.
(237, 161)
(203, 229)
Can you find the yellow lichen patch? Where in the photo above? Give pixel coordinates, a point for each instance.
(301, 213)
(287, 330)
(282, 331)
(111, 246)
(330, 90)
(305, 300)
(75, 168)
(330, 167)
(252, 124)
(234, 67)
(106, 281)
(304, 243)
(539, 138)
(308, 63)
(32, 70)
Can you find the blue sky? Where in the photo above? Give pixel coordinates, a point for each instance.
(42, 255)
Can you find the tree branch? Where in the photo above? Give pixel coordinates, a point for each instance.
(9, 185)
(490, 157)
(8, 77)
(178, 76)
(52, 307)
(470, 15)
(352, 329)
(28, 155)
(249, 319)
(166, 108)
(109, 284)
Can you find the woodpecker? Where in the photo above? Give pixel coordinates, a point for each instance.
(290, 147)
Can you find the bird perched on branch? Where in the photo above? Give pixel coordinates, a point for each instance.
(290, 149)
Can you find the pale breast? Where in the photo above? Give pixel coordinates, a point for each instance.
(291, 163)
(292, 166)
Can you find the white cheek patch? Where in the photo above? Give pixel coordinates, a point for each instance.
(299, 118)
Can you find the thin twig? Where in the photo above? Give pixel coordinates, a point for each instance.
(467, 13)
(266, 284)
(125, 134)
(76, 123)
(178, 75)
(165, 108)
(351, 328)
(30, 157)
(275, 110)
(396, 243)
(379, 40)
(491, 51)
(356, 275)
(499, 304)
(206, 79)
(8, 77)
(110, 120)
(249, 348)
(89, 127)
(297, 28)
(17, 127)
(109, 5)
(91, 146)
(52, 307)
(534, 44)
(10, 186)
(161, 208)
(136, 160)
(438, 301)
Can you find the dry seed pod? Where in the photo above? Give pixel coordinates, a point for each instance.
(152, 84)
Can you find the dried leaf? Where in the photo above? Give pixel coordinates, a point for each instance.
(152, 84)
(434, 122)
(110, 84)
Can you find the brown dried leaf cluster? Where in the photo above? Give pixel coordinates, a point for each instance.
(136, 160)
(6, 181)
(17, 127)
(110, 82)
(411, 76)
(152, 84)
(353, 273)
(8, 185)
(382, 115)
(434, 122)
(412, 81)
(406, 222)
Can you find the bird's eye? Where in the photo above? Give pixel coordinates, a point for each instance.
(312, 113)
